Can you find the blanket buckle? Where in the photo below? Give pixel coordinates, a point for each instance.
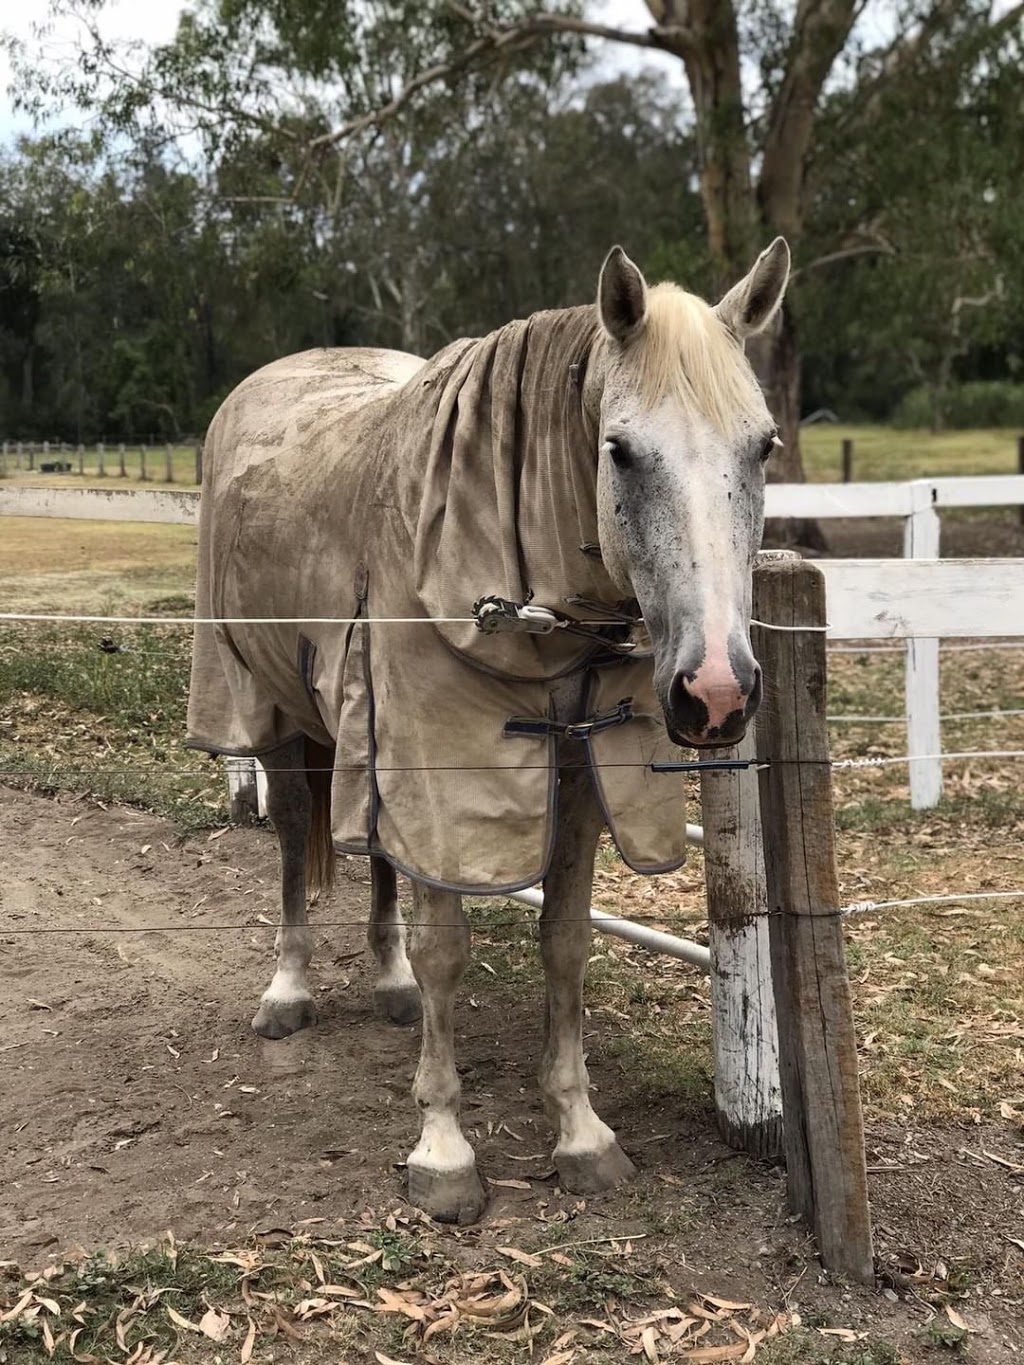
(495, 614)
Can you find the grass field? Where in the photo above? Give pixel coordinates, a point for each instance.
(879, 453)
(142, 466)
(938, 990)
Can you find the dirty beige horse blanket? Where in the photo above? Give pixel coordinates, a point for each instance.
(370, 484)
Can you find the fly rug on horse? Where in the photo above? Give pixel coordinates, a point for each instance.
(457, 607)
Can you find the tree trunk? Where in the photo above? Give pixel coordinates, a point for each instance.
(710, 51)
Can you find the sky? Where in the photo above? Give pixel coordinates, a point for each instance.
(154, 21)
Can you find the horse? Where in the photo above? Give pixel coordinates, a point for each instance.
(404, 563)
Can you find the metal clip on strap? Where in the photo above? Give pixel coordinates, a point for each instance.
(495, 614)
(581, 729)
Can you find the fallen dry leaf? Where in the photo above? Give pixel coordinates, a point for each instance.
(382, 1359)
(179, 1321)
(523, 1257)
(649, 1343)
(248, 1343)
(734, 1351)
(956, 1319)
(510, 1184)
(214, 1324)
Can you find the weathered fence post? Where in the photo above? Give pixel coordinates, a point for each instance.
(122, 472)
(847, 460)
(746, 1043)
(822, 1120)
(81, 458)
(924, 731)
(101, 460)
(142, 464)
(31, 456)
(242, 790)
(169, 464)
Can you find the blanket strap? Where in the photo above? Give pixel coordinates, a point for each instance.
(581, 729)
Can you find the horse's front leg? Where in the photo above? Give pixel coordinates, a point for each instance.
(442, 1168)
(395, 995)
(587, 1155)
(287, 1004)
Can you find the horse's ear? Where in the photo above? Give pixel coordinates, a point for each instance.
(621, 296)
(750, 305)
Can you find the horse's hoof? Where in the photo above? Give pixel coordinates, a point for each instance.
(593, 1172)
(282, 1018)
(398, 1004)
(448, 1196)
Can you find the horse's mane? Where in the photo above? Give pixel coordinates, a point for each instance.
(686, 352)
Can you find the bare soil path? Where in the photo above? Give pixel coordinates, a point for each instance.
(136, 1098)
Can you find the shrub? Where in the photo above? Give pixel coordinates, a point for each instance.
(983, 403)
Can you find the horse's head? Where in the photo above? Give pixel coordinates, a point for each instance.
(684, 436)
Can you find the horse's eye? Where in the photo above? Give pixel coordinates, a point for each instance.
(770, 446)
(622, 456)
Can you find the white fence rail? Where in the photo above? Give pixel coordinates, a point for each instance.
(863, 604)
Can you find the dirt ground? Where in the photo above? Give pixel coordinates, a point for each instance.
(136, 1098)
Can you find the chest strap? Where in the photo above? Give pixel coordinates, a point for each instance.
(534, 726)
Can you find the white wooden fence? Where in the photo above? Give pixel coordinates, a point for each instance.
(917, 503)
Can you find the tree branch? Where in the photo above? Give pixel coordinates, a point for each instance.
(513, 38)
(844, 254)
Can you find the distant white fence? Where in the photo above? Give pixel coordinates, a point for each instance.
(867, 599)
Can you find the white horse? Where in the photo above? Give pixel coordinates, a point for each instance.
(665, 434)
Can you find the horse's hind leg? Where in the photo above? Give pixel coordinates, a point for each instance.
(287, 1005)
(442, 1168)
(587, 1155)
(395, 995)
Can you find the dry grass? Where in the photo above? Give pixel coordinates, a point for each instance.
(883, 453)
(183, 466)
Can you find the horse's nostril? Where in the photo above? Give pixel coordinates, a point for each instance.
(755, 693)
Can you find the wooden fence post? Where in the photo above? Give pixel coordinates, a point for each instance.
(748, 1101)
(142, 464)
(122, 472)
(823, 1124)
(101, 460)
(81, 458)
(31, 456)
(847, 460)
(243, 791)
(921, 532)
(169, 464)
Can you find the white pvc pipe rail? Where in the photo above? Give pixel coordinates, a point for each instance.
(652, 939)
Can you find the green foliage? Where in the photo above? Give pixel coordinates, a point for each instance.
(983, 403)
(239, 200)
